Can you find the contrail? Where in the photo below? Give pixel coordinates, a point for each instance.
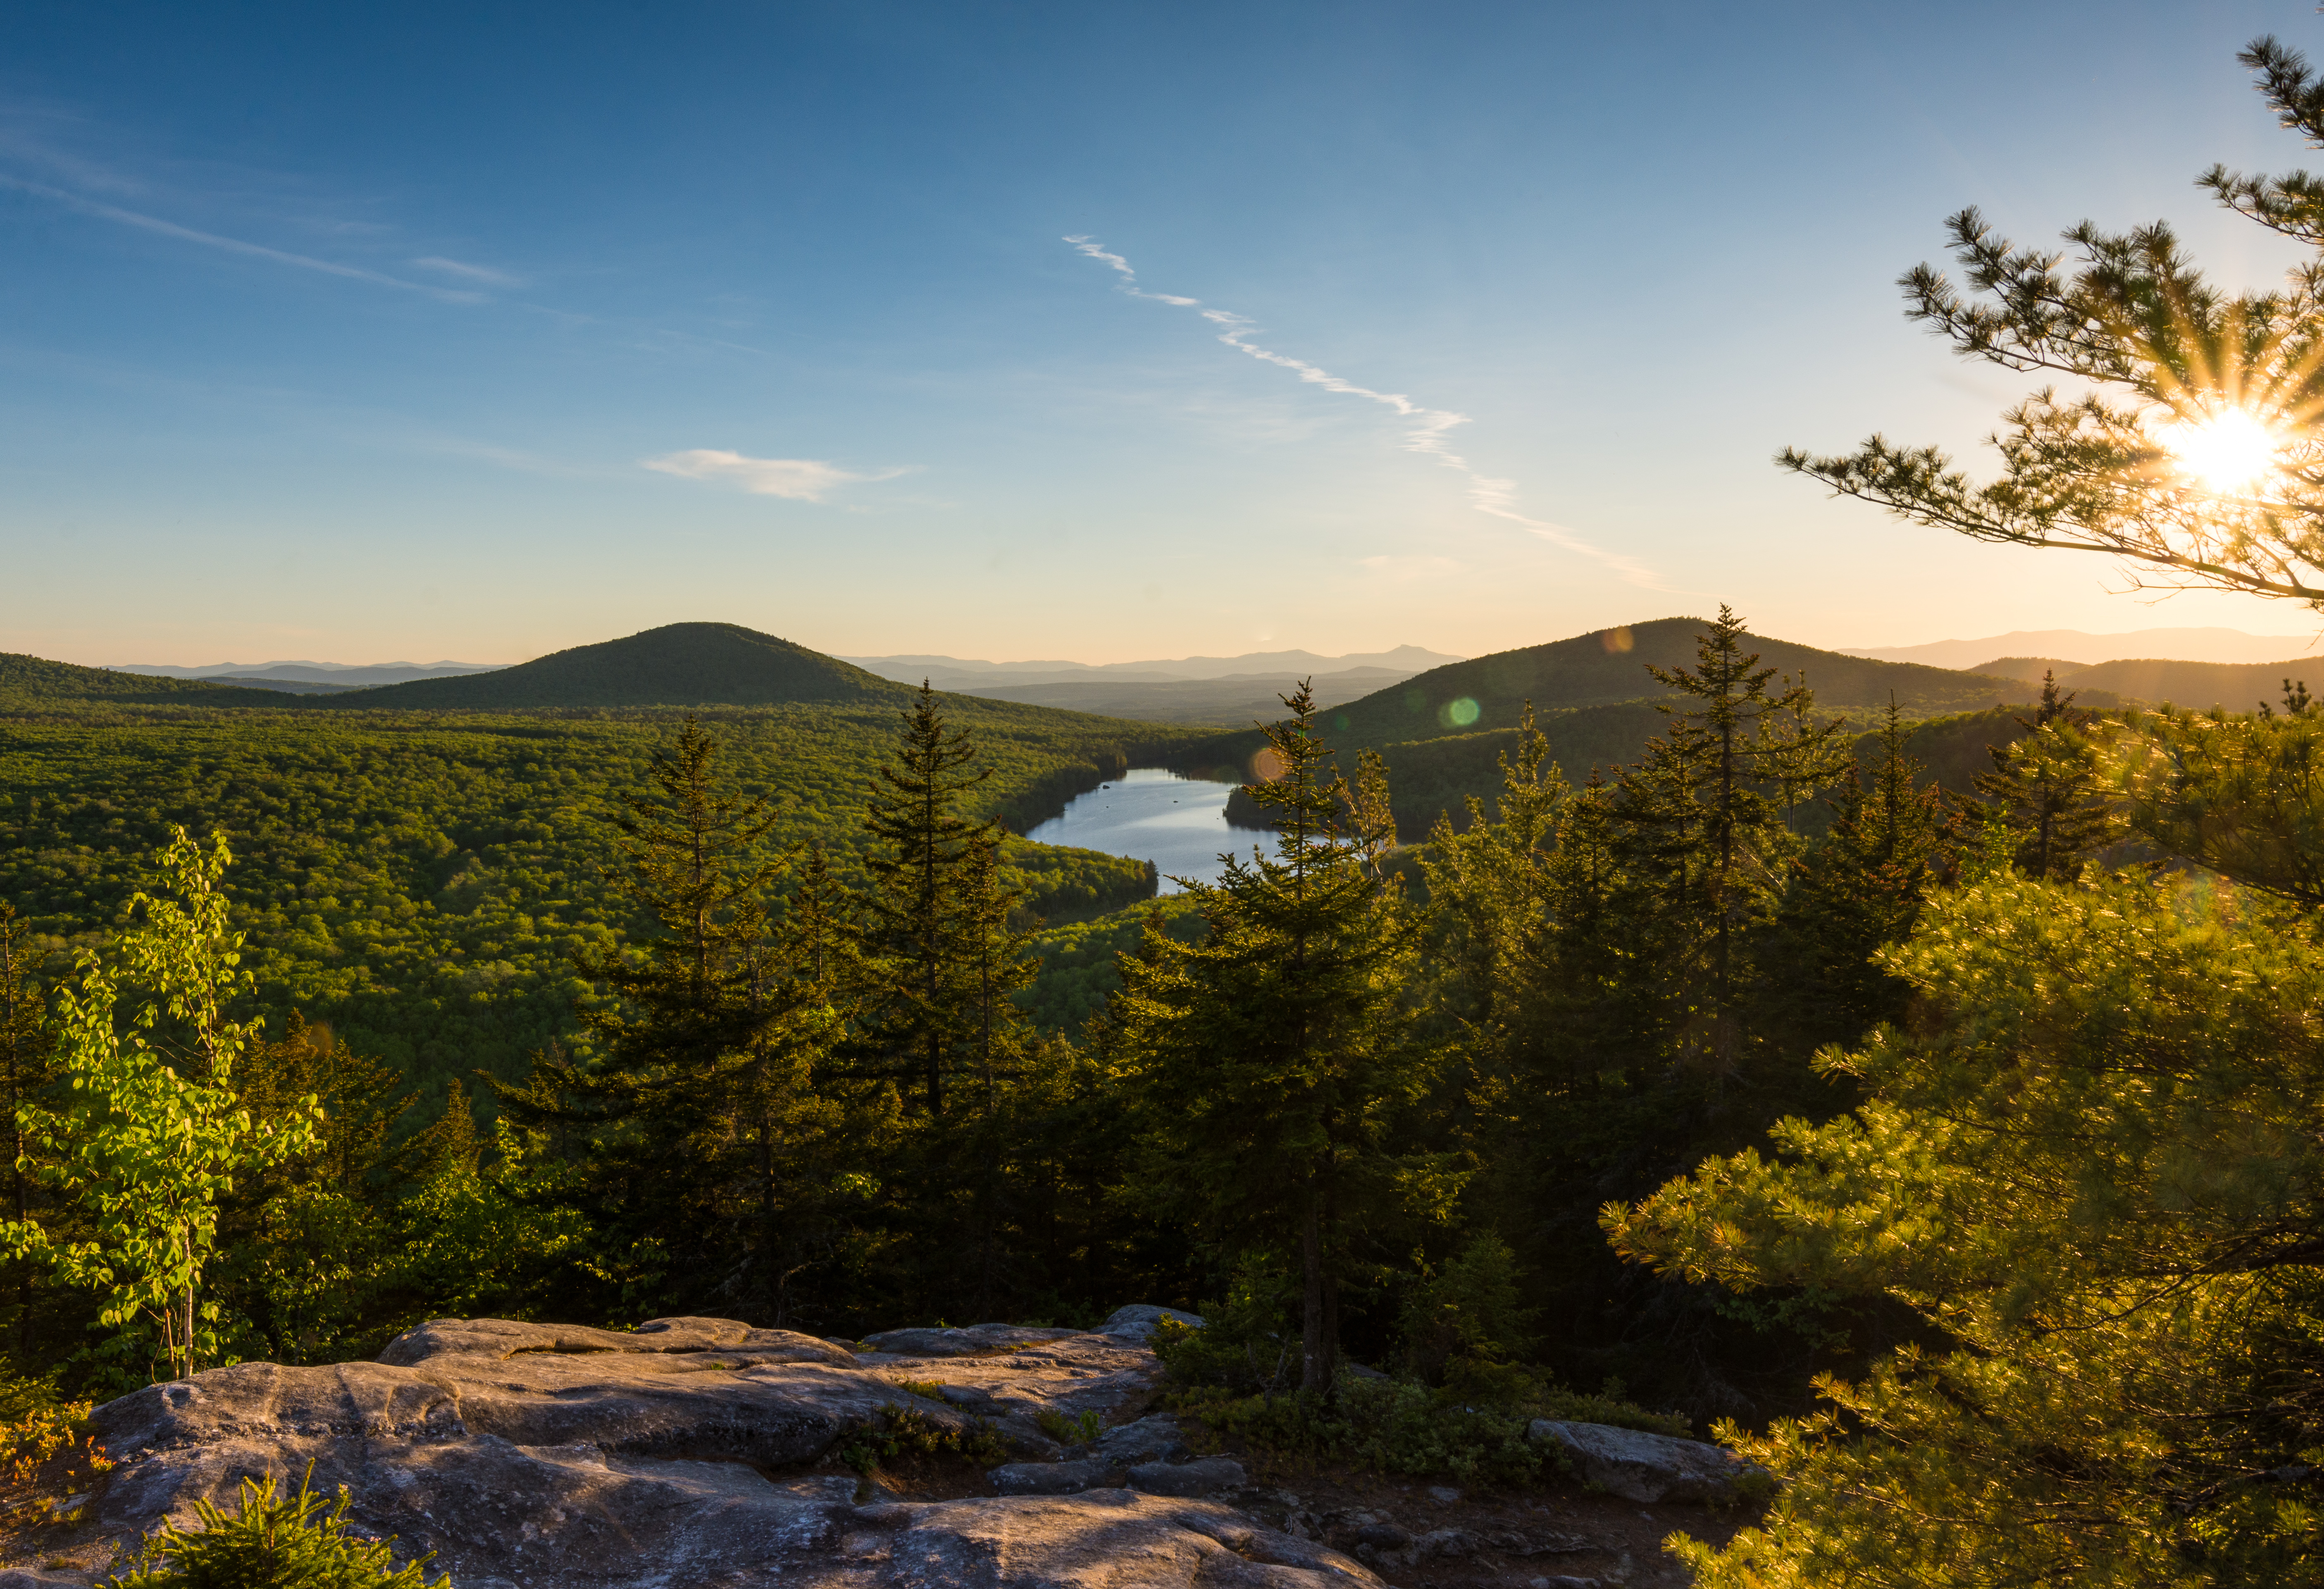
(1426, 436)
(130, 218)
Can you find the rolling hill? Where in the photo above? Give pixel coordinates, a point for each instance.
(1609, 667)
(1443, 731)
(677, 665)
(2238, 686)
(2029, 670)
(35, 684)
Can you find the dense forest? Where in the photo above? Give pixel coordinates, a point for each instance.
(756, 1013)
(424, 884)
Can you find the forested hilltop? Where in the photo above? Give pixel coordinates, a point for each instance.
(1598, 697)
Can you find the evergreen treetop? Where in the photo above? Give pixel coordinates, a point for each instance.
(1270, 1053)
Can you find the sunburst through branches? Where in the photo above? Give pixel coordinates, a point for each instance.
(2226, 452)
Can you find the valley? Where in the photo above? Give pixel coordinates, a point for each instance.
(432, 877)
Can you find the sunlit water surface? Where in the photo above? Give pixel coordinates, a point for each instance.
(1152, 814)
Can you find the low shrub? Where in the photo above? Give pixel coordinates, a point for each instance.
(1470, 1426)
(275, 1541)
(44, 1458)
(1069, 1428)
(907, 1433)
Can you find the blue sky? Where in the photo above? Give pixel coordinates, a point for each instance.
(371, 332)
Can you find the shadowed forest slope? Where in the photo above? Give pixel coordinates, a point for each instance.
(2238, 686)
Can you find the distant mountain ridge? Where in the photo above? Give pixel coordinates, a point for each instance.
(2201, 645)
(972, 677)
(1608, 667)
(1235, 701)
(341, 675)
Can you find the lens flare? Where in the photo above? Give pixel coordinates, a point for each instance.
(2226, 452)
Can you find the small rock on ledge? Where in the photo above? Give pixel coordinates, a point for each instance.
(1649, 1468)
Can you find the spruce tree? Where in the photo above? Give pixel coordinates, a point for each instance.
(998, 1055)
(1489, 913)
(1703, 839)
(922, 1017)
(1858, 890)
(805, 1142)
(651, 1114)
(1273, 1052)
(2045, 790)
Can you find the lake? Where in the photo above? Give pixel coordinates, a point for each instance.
(1152, 814)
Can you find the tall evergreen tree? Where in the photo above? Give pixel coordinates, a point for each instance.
(802, 1139)
(998, 1054)
(922, 1019)
(647, 1112)
(1858, 890)
(1274, 1058)
(1704, 838)
(2045, 790)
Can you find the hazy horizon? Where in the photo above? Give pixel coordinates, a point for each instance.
(2114, 644)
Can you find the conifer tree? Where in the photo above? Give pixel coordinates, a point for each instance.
(2044, 788)
(999, 1053)
(802, 1141)
(1702, 835)
(923, 1015)
(1273, 1059)
(2087, 1169)
(1858, 890)
(1490, 914)
(649, 1112)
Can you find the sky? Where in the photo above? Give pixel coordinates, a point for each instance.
(1095, 332)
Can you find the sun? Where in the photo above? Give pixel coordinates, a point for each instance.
(2226, 452)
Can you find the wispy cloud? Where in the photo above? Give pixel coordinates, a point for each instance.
(1425, 434)
(147, 223)
(469, 272)
(799, 479)
(1128, 282)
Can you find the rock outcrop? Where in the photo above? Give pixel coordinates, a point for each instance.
(533, 1455)
(1640, 1466)
(703, 1451)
